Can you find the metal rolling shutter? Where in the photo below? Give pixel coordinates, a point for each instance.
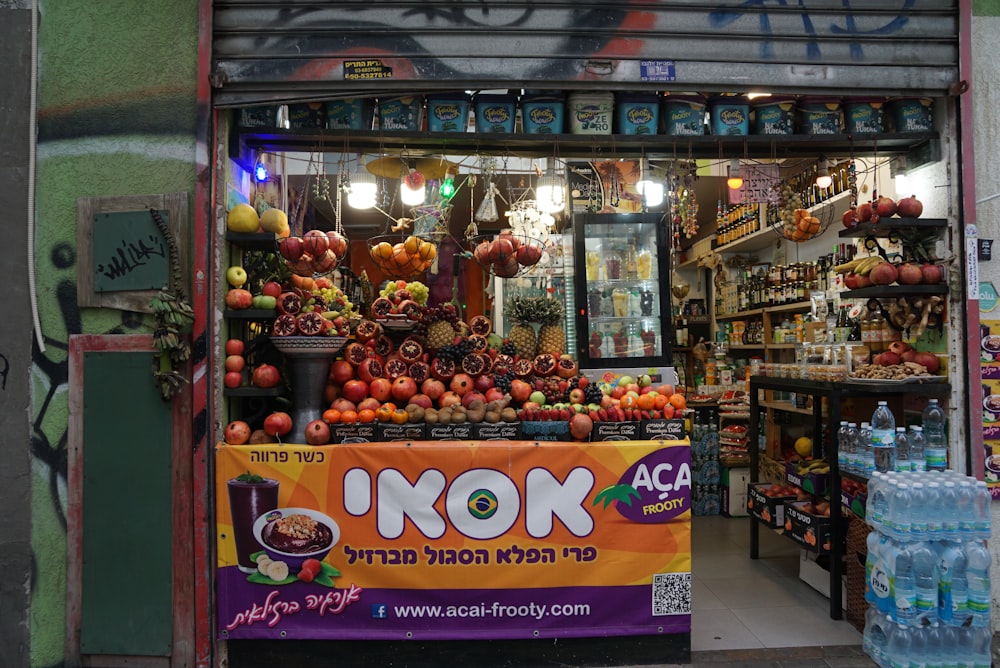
(271, 50)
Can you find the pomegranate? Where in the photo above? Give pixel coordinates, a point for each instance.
(899, 347)
(239, 299)
(291, 248)
(278, 423)
(290, 303)
(380, 390)
(442, 369)
(344, 404)
(309, 323)
(544, 364)
(473, 364)
(370, 369)
(580, 426)
(317, 432)
(520, 390)
(395, 367)
(315, 242)
(237, 432)
(338, 243)
(410, 350)
(355, 353)
(909, 274)
(929, 360)
(864, 212)
(433, 388)
(931, 273)
(528, 255)
(480, 325)
(479, 343)
(461, 383)
(341, 371)
(265, 375)
(285, 325)
(909, 207)
(420, 399)
(419, 371)
(449, 398)
(884, 273)
(473, 395)
(382, 345)
(482, 253)
(523, 368)
(403, 388)
(566, 367)
(381, 307)
(484, 382)
(324, 262)
(850, 218)
(888, 358)
(507, 267)
(885, 207)
(367, 330)
(354, 391)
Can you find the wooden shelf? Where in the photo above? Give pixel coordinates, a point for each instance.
(786, 407)
(888, 227)
(250, 314)
(741, 315)
(888, 291)
(253, 241)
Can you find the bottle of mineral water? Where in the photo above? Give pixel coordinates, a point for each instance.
(936, 447)
(902, 454)
(982, 524)
(979, 644)
(915, 437)
(966, 509)
(918, 647)
(919, 510)
(864, 449)
(978, 574)
(926, 576)
(904, 593)
(933, 658)
(899, 646)
(949, 511)
(949, 647)
(933, 489)
(897, 516)
(843, 447)
(875, 642)
(884, 437)
(855, 461)
(953, 585)
(875, 505)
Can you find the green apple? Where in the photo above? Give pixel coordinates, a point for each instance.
(537, 396)
(236, 276)
(625, 380)
(266, 302)
(644, 380)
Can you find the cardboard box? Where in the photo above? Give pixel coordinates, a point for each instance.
(734, 491)
(854, 499)
(497, 431)
(814, 483)
(354, 433)
(813, 532)
(551, 430)
(767, 509)
(662, 430)
(450, 432)
(615, 431)
(388, 431)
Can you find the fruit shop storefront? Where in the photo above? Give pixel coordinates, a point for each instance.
(371, 530)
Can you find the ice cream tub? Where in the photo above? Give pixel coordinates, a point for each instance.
(448, 112)
(638, 113)
(495, 113)
(591, 113)
(307, 115)
(543, 113)
(729, 115)
(684, 115)
(774, 116)
(355, 113)
(912, 114)
(401, 113)
(864, 116)
(819, 116)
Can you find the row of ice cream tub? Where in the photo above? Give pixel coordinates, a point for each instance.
(597, 113)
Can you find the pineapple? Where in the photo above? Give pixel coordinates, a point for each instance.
(440, 334)
(520, 310)
(551, 336)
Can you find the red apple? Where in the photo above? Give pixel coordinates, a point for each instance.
(232, 379)
(235, 363)
(271, 289)
(235, 347)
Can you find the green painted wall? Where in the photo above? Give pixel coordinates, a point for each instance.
(116, 114)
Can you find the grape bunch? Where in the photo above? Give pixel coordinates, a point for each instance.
(417, 290)
(337, 301)
(591, 393)
(456, 352)
(551, 389)
(508, 348)
(503, 381)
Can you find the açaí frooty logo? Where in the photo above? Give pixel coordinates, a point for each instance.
(655, 489)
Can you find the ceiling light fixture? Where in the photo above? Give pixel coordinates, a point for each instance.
(735, 179)
(650, 189)
(413, 187)
(550, 191)
(362, 189)
(823, 178)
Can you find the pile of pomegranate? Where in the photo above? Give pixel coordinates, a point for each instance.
(883, 207)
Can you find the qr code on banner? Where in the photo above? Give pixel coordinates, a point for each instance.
(671, 594)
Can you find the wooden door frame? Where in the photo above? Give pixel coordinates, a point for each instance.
(183, 567)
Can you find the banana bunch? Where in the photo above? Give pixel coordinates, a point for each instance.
(818, 466)
(174, 319)
(859, 265)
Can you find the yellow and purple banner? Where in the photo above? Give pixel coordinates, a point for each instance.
(452, 540)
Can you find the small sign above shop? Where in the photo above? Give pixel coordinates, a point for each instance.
(366, 69)
(657, 70)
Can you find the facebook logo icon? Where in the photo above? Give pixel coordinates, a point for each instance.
(379, 611)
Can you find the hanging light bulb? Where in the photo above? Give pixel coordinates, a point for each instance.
(823, 178)
(735, 180)
(413, 187)
(260, 171)
(550, 191)
(447, 187)
(650, 190)
(362, 189)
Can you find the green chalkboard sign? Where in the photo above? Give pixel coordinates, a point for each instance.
(130, 253)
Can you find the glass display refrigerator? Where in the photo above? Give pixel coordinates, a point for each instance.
(621, 283)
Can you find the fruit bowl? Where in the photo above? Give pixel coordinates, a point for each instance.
(291, 344)
(265, 530)
(398, 322)
(402, 256)
(507, 254)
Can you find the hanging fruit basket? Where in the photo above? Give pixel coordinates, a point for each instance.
(400, 255)
(315, 252)
(798, 224)
(507, 254)
(431, 221)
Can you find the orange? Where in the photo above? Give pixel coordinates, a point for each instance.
(628, 401)
(349, 417)
(366, 415)
(412, 245)
(660, 400)
(424, 249)
(678, 401)
(646, 401)
(331, 416)
(382, 251)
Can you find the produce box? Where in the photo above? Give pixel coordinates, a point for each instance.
(810, 481)
(707, 445)
(768, 509)
(705, 471)
(497, 431)
(388, 431)
(812, 531)
(354, 433)
(615, 431)
(546, 430)
(734, 491)
(450, 432)
(661, 430)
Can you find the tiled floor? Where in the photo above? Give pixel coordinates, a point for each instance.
(743, 604)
